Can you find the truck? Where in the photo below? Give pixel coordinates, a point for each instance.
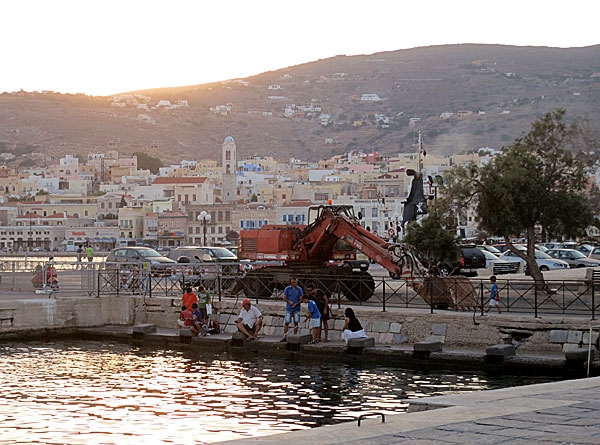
(322, 251)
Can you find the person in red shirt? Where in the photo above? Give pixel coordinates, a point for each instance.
(189, 298)
(185, 318)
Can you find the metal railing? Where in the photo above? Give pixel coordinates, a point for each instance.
(519, 296)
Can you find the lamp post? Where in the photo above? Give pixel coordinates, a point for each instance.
(204, 216)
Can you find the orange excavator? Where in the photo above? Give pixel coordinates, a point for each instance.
(315, 252)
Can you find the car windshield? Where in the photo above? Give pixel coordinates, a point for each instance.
(541, 255)
(222, 253)
(147, 253)
(490, 249)
(489, 255)
(577, 254)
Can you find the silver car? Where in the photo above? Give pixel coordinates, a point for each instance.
(573, 257)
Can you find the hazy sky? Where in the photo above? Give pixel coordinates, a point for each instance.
(105, 47)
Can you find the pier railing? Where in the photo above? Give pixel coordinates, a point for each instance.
(229, 280)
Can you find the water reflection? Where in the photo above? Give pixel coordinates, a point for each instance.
(90, 392)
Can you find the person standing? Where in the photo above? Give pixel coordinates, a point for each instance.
(203, 301)
(250, 320)
(292, 295)
(189, 298)
(494, 295)
(79, 255)
(315, 320)
(320, 297)
(89, 253)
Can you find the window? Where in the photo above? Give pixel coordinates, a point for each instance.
(220, 229)
(266, 222)
(284, 218)
(374, 212)
(260, 223)
(227, 215)
(283, 196)
(242, 223)
(179, 198)
(228, 155)
(194, 197)
(219, 215)
(186, 197)
(86, 213)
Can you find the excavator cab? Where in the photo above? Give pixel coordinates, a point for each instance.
(315, 212)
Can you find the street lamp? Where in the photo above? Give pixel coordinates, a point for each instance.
(204, 216)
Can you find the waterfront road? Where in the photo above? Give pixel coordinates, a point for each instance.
(550, 413)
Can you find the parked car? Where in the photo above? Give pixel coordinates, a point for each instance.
(140, 255)
(500, 247)
(544, 261)
(470, 258)
(595, 254)
(573, 257)
(206, 254)
(499, 266)
(586, 249)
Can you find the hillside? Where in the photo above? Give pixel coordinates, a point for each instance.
(511, 85)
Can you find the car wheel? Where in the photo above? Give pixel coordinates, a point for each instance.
(444, 270)
(544, 268)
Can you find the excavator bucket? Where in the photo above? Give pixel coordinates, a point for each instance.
(455, 293)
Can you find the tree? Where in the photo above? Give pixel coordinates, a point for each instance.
(147, 162)
(122, 203)
(536, 182)
(434, 242)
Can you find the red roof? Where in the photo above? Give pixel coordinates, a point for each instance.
(183, 180)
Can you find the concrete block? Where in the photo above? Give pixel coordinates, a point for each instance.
(438, 328)
(230, 328)
(558, 336)
(365, 342)
(237, 335)
(186, 332)
(386, 338)
(428, 346)
(223, 318)
(570, 347)
(381, 326)
(330, 324)
(335, 335)
(501, 350)
(278, 322)
(395, 328)
(575, 337)
(144, 329)
(278, 331)
(580, 354)
(586, 338)
(399, 338)
(437, 338)
(268, 330)
(267, 320)
(299, 339)
(339, 324)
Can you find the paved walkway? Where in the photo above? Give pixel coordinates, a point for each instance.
(560, 412)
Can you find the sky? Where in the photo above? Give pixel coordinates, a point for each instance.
(106, 47)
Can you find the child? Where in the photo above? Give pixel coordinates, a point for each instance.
(204, 299)
(185, 318)
(189, 297)
(315, 316)
(196, 327)
(494, 295)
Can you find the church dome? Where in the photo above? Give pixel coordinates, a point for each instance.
(229, 139)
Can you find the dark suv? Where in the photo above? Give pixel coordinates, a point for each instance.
(470, 258)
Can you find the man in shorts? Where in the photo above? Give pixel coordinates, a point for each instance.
(250, 320)
(494, 295)
(292, 295)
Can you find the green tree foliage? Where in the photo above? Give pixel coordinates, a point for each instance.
(433, 241)
(537, 182)
(147, 162)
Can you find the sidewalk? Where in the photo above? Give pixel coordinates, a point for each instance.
(560, 412)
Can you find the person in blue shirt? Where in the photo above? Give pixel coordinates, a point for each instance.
(292, 295)
(315, 320)
(494, 295)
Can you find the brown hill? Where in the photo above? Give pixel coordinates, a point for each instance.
(511, 85)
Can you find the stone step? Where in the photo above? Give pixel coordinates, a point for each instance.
(144, 329)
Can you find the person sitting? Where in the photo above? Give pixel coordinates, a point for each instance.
(250, 320)
(197, 326)
(185, 318)
(352, 327)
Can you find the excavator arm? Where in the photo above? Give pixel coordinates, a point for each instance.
(318, 240)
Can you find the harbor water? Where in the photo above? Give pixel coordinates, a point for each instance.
(73, 392)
